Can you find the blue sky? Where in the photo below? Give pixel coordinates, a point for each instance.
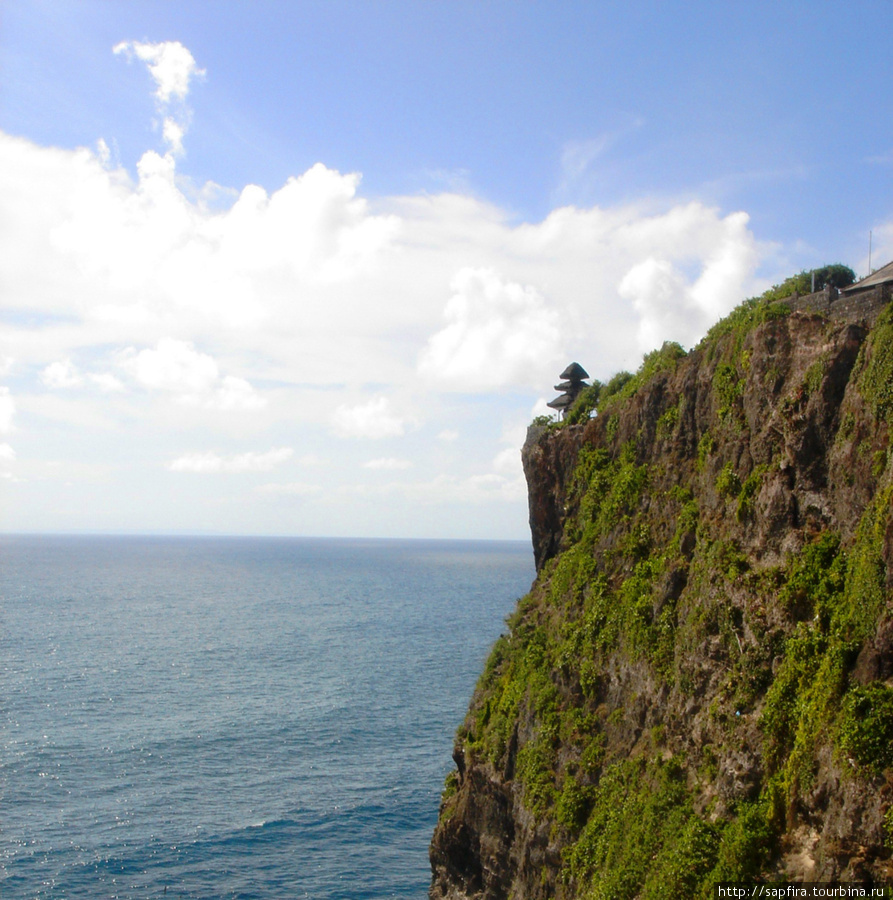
(329, 294)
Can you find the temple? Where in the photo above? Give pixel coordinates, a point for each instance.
(571, 385)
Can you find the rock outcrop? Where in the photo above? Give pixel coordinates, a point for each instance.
(699, 687)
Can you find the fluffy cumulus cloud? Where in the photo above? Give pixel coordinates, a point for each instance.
(7, 410)
(447, 489)
(291, 489)
(498, 333)
(176, 367)
(172, 67)
(170, 64)
(106, 382)
(7, 454)
(330, 289)
(669, 305)
(388, 463)
(882, 250)
(132, 287)
(173, 366)
(61, 374)
(7, 461)
(672, 306)
(373, 419)
(213, 463)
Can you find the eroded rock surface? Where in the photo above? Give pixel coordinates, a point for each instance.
(702, 675)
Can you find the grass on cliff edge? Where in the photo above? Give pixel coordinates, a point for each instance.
(746, 316)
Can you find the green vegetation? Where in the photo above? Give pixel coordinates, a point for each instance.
(728, 388)
(667, 423)
(730, 487)
(629, 823)
(748, 492)
(616, 383)
(659, 580)
(876, 383)
(866, 727)
(769, 305)
(450, 785)
(835, 275)
(623, 385)
(642, 833)
(706, 446)
(584, 404)
(728, 484)
(619, 388)
(744, 318)
(643, 838)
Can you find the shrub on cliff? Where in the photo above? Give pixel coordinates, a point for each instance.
(835, 275)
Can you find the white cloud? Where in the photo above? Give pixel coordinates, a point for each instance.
(291, 489)
(7, 410)
(578, 156)
(172, 67)
(176, 367)
(170, 64)
(373, 419)
(659, 294)
(498, 333)
(173, 133)
(881, 250)
(388, 463)
(235, 393)
(335, 302)
(670, 306)
(448, 489)
(496, 487)
(173, 365)
(541, 408)
(329, 289)
(7, 460)
(312, 460)
(61, 374)
(508, 462)
(106, 382)
(204, 463)
(103, 153)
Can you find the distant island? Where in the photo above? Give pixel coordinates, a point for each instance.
(699, 686)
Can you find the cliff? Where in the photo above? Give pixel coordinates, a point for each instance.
(699, 686)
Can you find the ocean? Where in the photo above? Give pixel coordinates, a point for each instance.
(235, 717)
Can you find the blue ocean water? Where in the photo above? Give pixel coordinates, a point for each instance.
(235, 717)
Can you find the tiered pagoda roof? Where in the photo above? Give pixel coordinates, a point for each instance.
(570, 387)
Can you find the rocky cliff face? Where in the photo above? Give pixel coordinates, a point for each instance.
(699, 686)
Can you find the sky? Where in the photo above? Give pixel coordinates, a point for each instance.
(311, 268)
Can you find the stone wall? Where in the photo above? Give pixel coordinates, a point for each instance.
(852, 306)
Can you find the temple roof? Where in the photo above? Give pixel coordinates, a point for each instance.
(561, 401)
(575, 372)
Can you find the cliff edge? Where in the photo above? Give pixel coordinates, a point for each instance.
(699, 686)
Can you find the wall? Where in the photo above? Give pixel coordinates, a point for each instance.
(853, 306)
